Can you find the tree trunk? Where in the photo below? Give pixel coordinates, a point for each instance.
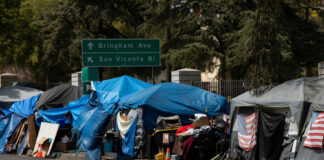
(306, 14)
(167, 65)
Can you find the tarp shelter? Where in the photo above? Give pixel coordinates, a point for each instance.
(290, 100)
(25, 107)
(12, 94)
(8, 124)
(102, 103)
(58, 97)
(166, 99)
(112, 90)
(53, 115)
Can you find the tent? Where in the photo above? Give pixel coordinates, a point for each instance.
(12, 94)
(166, 99)
(102, 103)
(25, 107)
(112, 90)
(281, 111)
(53, 115)
(307, 152)
(58, 97)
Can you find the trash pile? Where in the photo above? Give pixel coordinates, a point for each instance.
(123, 117)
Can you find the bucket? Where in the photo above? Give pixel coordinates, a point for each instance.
(175, 157)
(108, 146)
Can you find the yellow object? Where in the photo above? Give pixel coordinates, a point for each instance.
(163, 130)
(160, 156)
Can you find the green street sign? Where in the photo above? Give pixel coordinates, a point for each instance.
(120, 52)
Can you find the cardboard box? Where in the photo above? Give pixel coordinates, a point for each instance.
(61, 147)
(200, 122)
(165, 138)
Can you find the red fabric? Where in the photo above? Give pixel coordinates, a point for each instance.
(183, 129)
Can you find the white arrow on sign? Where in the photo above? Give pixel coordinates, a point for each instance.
(90, 60)
(90, 45)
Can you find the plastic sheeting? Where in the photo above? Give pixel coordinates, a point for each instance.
(58, 97)
(112, 90)
(52, 115)
(128, 142)
(95, 114)
(168, 99)
(25, 107)
(13, 121)
(90, 126)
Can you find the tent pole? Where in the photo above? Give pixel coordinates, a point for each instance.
(152, 74)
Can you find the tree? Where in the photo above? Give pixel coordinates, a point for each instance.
(186, 29)
(269, 46)
(17, 36)
(65, 23)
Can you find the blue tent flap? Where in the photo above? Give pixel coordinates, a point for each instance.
(129, 141)
(12, 122)
(102, 103)
(174, 99)
(112, 90)
(25, 107)
(52, 115)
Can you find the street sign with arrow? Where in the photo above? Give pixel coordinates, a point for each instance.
(120, 52)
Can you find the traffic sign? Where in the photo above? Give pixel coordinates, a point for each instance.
(120, 52)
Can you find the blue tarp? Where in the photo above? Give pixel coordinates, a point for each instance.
(25, 107)
(5, 111)
(52, 115)
(129, 140)
(10, 122)
(168, 99)
(91, 134)
(112, 90)
(96, 112)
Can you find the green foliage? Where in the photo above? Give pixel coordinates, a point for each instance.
(264, 42)
(270, 45)
(17, 36)
(187, 29)
(65, 23)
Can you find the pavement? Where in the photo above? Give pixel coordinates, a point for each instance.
(62, 156)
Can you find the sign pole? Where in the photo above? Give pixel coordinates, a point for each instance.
(152, 74)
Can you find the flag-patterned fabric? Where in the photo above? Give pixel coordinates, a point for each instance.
(315, 134)
(247, 128)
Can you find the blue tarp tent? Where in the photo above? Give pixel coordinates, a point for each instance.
(111, 91)
(102, 103)
(168, 99)
(52, 115)
(25, 107)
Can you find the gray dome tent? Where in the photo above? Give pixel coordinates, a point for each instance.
(12, 94)
(306, 152)
(290, 100)
(58, 97)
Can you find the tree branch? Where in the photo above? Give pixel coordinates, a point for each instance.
(312, 7)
